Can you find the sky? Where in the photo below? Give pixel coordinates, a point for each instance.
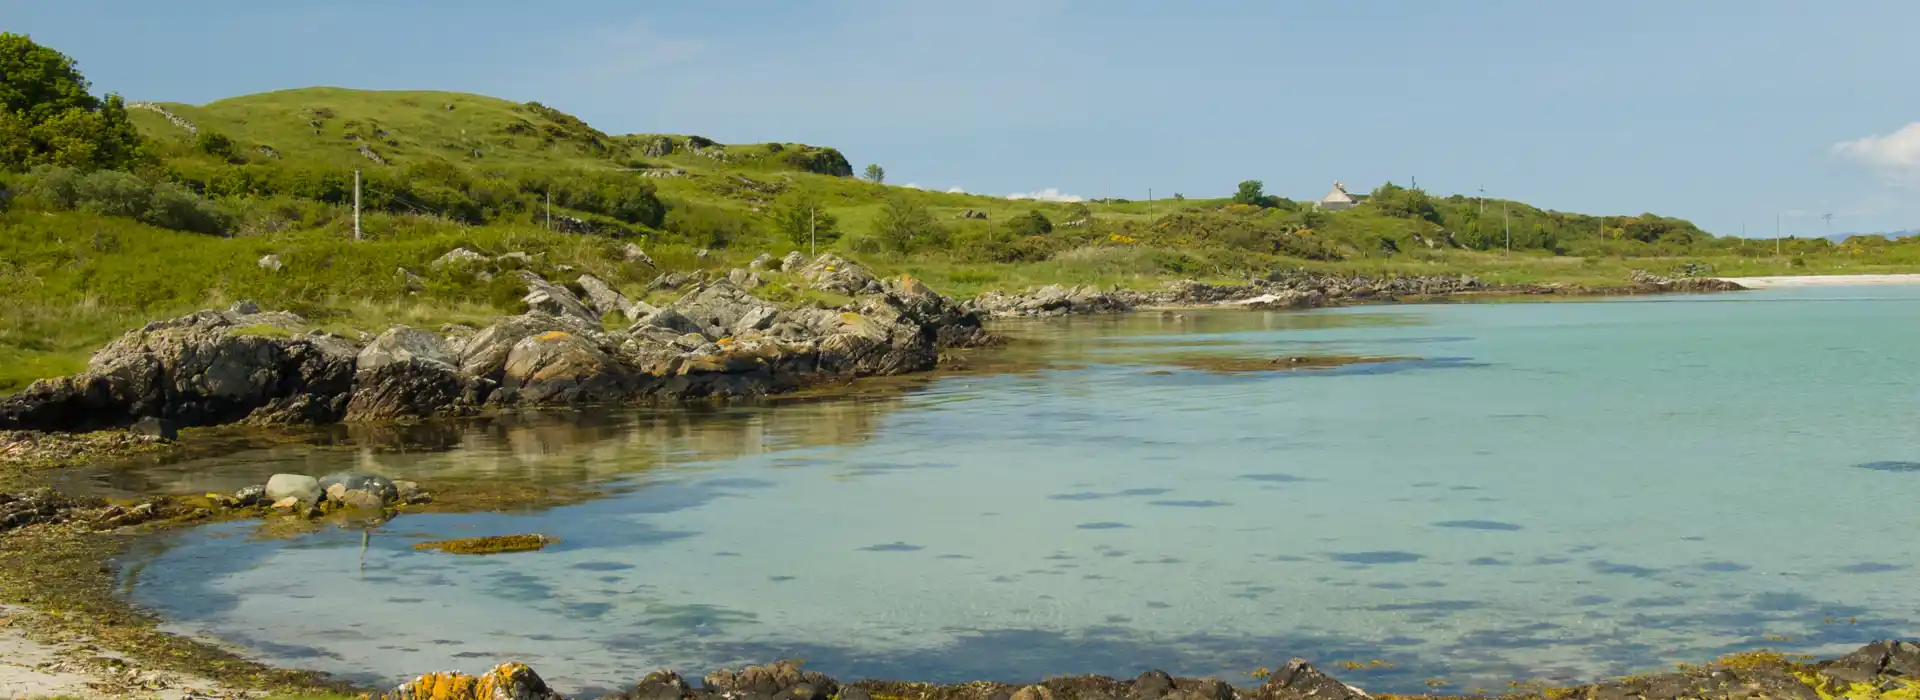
(1732, 113)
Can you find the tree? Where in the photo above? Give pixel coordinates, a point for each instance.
(801, 216)
(47, 117)
(905, 224)
(876, 174)
(1252, 193)
(1033, 224)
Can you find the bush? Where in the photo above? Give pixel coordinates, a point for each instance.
(214, 143)
(708, 226)
(1033, 224)
(114, 193)
(905, 225)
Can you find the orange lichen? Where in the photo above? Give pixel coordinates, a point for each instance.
(553, 335)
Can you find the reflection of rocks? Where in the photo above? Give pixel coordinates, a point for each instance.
(717, 340)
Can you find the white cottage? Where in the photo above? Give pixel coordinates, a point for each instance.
(1340, 199)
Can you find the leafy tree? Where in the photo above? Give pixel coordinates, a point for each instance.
(876, 174)
(47, 117)
(1033, 224)
(905, 224)
(801, 216)
(1252, 193)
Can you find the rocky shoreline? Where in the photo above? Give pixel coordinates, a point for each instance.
(1884, 669)
(718, 340)
(1299, 289)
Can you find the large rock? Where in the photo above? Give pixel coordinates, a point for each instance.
(634, 254)
(513, 681)
(460, 257)
(401, 344)
(722, 309)
(414, 388)
(783, 679)
(1299, 680)
(297, 486)
(352, 487)
(554, 300)
(203, 369)
(560, 367)
(833, 273)
(484, 354)
(604, 299)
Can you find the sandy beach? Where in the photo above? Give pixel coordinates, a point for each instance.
(1822, 281)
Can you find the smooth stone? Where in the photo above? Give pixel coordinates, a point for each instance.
(159, 428)
(296, 486)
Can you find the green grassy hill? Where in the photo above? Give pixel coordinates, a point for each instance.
(86, 256)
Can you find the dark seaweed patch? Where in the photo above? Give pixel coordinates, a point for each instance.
(1607, 567)
(1870, 567)
(1897, 467)
(1371, 558)
(892, 547)
(1489, 525)
(1190, 504)
(1103, 526)
(1723, 567)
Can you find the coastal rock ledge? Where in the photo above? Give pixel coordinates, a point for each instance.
(244, 365)
(1885, 669)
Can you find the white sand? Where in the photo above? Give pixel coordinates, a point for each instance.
(36, 669)
(1821, 281)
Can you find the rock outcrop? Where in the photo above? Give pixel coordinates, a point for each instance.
(1879, 670)
(717, 340)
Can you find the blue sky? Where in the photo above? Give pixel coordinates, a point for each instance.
(1726, 112)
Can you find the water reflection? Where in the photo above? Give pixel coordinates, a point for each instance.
(1562, 500)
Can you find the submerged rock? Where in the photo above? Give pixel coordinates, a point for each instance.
(342, 487)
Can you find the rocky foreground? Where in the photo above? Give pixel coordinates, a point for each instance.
(1886, 669)
(245, 365)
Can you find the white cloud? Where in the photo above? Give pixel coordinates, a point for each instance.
(1051, 194)
(913, 186)
(1897, 154)
(956, 190)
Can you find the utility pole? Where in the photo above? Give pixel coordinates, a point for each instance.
(549, 209)
(356, 204)
(813, 250)
(1776, 234)
(1149, 204)
(1508, 225)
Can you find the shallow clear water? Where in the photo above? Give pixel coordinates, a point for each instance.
(1550, 491)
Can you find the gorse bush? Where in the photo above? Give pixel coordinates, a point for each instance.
(114, 193)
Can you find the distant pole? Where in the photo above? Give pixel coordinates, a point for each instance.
(1776, 234)
(1149, 203)
(813, 250)
(356, 204)
(549, 209)
(1508, 225)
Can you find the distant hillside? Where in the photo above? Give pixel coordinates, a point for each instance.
(338, 127)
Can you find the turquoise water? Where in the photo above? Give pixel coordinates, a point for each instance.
(1544, 491)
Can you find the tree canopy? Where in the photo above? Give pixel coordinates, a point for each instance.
(47, 117)
(876, 174)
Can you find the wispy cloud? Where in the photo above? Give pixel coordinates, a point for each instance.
(913, 186)
(1051, 194)
(1896, 154)
(956, 190)
(622, 51)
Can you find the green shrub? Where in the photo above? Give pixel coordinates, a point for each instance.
(214, 143)
(1033, 223)
(707, 226)
(906, 225)
(114, 193)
